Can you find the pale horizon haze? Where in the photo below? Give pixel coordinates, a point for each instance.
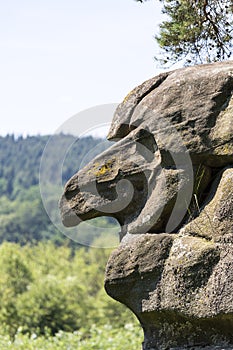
(59, 58)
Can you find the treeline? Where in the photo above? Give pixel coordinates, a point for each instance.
(20, 159)
(22, 215)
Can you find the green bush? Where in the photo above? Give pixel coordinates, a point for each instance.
(46, 289)
(100, 338)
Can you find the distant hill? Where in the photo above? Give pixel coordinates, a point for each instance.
(22, 216)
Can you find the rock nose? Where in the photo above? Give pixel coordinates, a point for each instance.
(68, 216)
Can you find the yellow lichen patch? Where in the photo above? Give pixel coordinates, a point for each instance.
(226, 149)
(93, 168)
(105, 169)
(128, 96)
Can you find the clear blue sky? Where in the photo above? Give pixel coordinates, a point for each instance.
(59, 57)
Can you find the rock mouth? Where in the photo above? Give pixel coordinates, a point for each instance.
(112, 198)
(113, 184)
(69, 216)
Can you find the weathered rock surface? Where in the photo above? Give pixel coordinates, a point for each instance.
(168, 180)
(197, 101)
(180, 286)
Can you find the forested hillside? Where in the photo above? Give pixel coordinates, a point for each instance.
(22, 216)
(51, 288)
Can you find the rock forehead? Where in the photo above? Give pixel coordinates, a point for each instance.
(121, 121)
(197, 101)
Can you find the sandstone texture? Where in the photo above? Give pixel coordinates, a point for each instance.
(168, 180)
(197, 101)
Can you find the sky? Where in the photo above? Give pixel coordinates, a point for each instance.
(61, 57)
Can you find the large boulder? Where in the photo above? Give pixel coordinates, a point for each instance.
(168, 180)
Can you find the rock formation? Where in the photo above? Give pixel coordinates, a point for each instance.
(168, 180)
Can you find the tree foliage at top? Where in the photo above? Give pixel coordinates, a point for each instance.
(196, 31)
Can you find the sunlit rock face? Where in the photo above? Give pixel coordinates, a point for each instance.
(168, 180)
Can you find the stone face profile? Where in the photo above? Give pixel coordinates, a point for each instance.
(168, 180)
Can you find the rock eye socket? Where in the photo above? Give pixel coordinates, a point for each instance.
(146, 144)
